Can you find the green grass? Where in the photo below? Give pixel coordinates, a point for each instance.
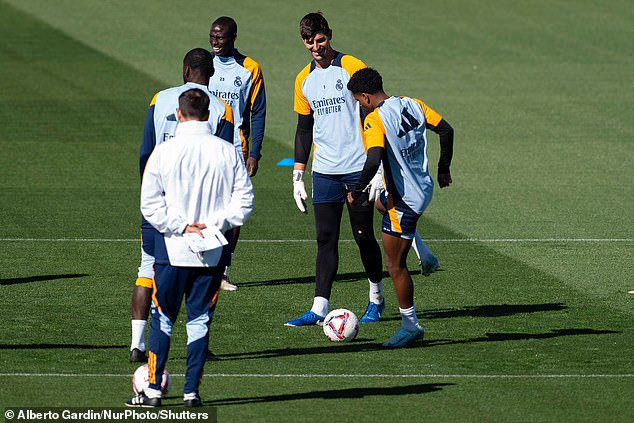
(540, 95)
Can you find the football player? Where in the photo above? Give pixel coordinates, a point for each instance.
(238, 80)
(395, 135)
(160, 126)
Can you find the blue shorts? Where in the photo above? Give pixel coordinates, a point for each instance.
(332, 188)
(399, 220)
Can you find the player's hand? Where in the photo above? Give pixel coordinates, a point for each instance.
(299, 192)
(195, 228)
(444, 179)
(252, 166)
(376, 186)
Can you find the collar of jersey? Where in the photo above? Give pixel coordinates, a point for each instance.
(193, 127)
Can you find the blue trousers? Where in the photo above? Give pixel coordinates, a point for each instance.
(199, 286)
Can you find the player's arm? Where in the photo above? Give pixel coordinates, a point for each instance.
(303, 139)
(374, 142)
(153, 205)
(445, 132)
(257, 105)
(225, 126)
(437, 124)
(303, 144)
(371, 166)
(149, 137)
(239, 208)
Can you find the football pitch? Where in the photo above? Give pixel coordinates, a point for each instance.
(529, 319)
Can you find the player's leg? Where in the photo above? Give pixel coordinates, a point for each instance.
(142, 295)
(169, 283)
(426, 260)
(328, 207)
(397, 232)
(201, 290)
(227, 284)
(225, 260)
(361, 220)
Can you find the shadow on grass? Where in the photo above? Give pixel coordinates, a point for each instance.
(501, 337)
(341, 277)
(16, 281)
(489, 310)
(354, 347)
(59, 346)
(336, 394)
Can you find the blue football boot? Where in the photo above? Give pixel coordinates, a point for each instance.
(373, 312)
(429, 265)
(404, 337)
(307, 319)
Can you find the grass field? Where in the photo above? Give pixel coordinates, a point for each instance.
(530, 318)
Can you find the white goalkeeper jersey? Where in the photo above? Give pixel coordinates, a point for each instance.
(398, 125)
(337, 143)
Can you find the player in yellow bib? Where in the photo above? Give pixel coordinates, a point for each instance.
(395, 135)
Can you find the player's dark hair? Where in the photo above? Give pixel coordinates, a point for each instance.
(229, 23)
(201, 61)
(366, 80)
(194, 104)
(312, 24)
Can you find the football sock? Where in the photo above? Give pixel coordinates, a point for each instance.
(227, 268)
(190, 396)
(320, 306)
(138, 335)
(419, 247)
(408, 317)
(152, 393)
(376, 292)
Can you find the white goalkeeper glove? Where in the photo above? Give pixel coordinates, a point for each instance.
(299, 192)
(376, 185)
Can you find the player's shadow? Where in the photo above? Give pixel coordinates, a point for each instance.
(16, 281)
(60, 346)
(351, 347)
(341, 277)
(335, 394)
(488, 310)
(355, 347)
(509, 336)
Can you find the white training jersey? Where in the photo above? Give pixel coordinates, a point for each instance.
(165, 105)
(238, 80)
(398, 125)
(337, 139)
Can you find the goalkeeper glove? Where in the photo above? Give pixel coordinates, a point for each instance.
(299, 192)
(376, 185)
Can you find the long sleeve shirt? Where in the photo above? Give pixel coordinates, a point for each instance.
(195, 177)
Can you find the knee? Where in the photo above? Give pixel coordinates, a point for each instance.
(197, 328)
(164, 322)
(363, 235)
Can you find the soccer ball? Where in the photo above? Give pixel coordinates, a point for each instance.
(141, 380)
(341, 325)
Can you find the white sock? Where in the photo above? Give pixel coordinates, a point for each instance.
(320, 306)
(152, 393)
(409, 319)
(419, 247)
(190, 396)
(227, 268)
(376, 292)
(138, 335)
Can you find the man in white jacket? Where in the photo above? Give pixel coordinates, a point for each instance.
(193, 182)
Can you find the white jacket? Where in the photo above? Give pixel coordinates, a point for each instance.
(195, 177)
